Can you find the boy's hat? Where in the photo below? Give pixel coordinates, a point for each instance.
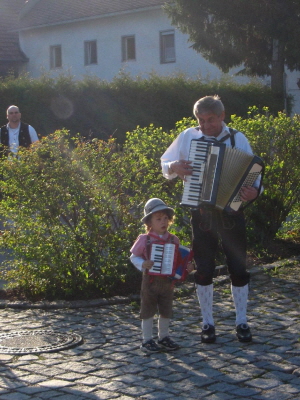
(154, 205)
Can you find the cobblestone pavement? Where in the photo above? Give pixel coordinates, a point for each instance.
(110, 365)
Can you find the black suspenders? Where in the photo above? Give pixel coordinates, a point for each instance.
(229, 135)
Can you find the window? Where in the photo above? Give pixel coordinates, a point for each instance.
(167, 47)
(90, 52)
(128, 48)
(55, 57)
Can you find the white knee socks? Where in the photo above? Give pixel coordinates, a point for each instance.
(147, 328)
(205, 297)
(240, 299)
(163, 327)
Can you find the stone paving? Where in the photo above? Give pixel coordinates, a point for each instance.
(110, 365)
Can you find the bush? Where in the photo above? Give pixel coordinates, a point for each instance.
(74, 206)
(276, 140)
(71, 227)
(101, 109)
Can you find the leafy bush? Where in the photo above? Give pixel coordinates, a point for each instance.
(276, 140)
(74, 210)
(69, 233)
(74, 206)
(102, 109)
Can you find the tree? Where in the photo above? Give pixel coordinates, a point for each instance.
(261, 35)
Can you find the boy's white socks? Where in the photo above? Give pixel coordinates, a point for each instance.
(147, 329)
(163, 327)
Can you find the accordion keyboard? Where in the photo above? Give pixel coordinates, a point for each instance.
(193, 183)
(163, 257)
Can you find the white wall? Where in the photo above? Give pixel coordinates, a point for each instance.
(108, 31)
(293, 89)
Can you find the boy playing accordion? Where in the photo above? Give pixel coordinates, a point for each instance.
(157, 289)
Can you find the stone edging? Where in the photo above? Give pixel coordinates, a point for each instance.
(61, 304)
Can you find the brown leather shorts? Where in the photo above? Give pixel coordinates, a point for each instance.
(156, 296)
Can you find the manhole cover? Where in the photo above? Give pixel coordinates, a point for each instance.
(39, 341)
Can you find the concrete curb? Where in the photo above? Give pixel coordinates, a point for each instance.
(61, 304)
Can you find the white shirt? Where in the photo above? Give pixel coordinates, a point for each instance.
(179, 149)
(13, 137)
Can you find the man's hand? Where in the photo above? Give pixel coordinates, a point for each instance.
(181, 168)
(248, 193)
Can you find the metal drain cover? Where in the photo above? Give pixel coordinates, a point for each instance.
(39, 341)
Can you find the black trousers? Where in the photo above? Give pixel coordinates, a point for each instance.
(209, 226)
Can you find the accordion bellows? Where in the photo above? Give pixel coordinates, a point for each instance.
(219, 173)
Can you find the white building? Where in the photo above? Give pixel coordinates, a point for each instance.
(103, 37)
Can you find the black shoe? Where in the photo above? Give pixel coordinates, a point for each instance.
(243, 333)
(168, 344)
(208, 334)
(150, 346)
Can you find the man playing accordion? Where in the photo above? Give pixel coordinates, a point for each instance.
(210, 224)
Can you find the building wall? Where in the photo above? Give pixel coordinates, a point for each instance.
(108, 32)
(293, 89)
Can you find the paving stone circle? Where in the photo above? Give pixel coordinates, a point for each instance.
(37, 341)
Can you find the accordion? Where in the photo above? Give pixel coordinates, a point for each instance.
(219, 172)
(170, 260)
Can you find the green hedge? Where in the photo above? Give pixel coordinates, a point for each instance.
(74, 207)
(101, 109)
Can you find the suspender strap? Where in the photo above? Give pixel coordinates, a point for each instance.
(148, 247)
(231, 136)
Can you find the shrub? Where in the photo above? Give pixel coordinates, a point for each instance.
(74, 206)
(276, 140)
(69, 233)
(102, 109)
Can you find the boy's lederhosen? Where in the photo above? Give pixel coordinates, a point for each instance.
(156, 296)
(210, 224)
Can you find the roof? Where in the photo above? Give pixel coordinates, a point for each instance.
(9, 41)
(39, 13)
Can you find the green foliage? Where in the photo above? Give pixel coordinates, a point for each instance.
(100, 109)
(259, 35)
(276, 140)
(234, 32)
(143, 149)
(73, 206)
(70, 230)
(74, 210)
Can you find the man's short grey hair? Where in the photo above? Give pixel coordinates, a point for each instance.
(12, 106)
(209, 104)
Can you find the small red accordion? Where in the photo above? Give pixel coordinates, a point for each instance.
(170, 259)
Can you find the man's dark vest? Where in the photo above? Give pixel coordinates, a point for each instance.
(24, 136)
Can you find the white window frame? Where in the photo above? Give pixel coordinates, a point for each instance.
(55, 56)
(167, 46)
(128, 48)
(90, 52)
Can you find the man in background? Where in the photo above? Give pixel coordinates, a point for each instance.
(16, 133)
